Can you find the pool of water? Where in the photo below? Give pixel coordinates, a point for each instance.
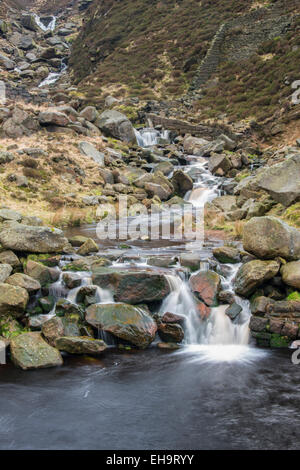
(201, 397)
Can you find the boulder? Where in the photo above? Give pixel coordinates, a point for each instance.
(182, 183)
(5, 271)
(9, 215)
(33, 239)
(90, 246)
(28, 21)
(115, 124)
(132, 286)
(165, 167)
(227, 254)
(253, 274)
(30, 351)
(13, 300)
(9, 257)
(53, 118)
(282, 181)
(225, 203)
(193, 145)
(124, 321)
(89, 113)
(21, 123)
(53, 329)
(233, 311)
(219, 162)
(269, 237)
(171, 332)
(206, 285)
(7, 63)
(41, 273)
(169, 317)
(290, 273)
(163, 191)
(87, 149)
(80, 345)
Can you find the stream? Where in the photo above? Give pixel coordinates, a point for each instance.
(217, 392)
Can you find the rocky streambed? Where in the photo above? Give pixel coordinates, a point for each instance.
(78, 295)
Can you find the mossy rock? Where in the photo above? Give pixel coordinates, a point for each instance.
(278, 341)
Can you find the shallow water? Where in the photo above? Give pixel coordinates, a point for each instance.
(188, 399)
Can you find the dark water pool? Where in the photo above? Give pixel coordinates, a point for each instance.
(154, 400)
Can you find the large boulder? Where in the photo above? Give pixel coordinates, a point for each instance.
(253, 274)
(170, 332)
(13, 300)
(269, 237)
(282, 181)
(206, 285)
(19, 237)
(30, 351)
(115, 124)
(291, 274)
(132, 286)
(53, 118)
(80, 345)
(219, 164)
(124, 321)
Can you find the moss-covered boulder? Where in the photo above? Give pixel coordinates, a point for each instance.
(13, 300)
(269, 237)
(127, 322)
(80, 345)
(132, 286)
(253, 274)
(227, 254)
(31, 351)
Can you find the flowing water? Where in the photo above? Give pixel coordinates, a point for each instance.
(217, 392)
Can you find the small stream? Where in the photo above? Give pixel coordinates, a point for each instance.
(217, 392)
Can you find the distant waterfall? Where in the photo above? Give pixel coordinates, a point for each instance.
(149, 137)
(45, 27)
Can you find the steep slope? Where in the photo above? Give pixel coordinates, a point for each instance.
(166, 49)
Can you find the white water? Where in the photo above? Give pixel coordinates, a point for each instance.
(54, 76)
(49, 27)
(150, 137)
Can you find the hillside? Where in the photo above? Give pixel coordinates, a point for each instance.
(155, 51)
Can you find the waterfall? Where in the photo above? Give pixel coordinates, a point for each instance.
(54, 76)
(149, 137)
(45, 27)
(218, 329)
(181, 302)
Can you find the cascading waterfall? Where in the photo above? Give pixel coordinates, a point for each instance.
(149, 137)
(54, 76)
(45, 27)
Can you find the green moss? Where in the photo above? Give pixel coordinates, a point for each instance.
(294, 296)
(278, 341)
